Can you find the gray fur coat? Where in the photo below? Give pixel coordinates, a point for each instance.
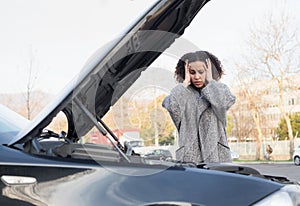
(200, 118)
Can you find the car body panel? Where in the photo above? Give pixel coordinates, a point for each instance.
(296, 155)
(61, 182)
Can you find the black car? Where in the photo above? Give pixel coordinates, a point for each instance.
(159, 154)
(43, 167)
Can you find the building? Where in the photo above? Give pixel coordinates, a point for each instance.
(258, 103)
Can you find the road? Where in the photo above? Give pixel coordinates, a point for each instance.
(286, 169)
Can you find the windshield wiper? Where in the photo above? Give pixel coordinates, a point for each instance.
(98, 126)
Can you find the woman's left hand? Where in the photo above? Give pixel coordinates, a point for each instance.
(208, 71)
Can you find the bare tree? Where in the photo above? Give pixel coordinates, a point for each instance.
(252, 100)
(242, 124)
(274, 55)
(30, 86)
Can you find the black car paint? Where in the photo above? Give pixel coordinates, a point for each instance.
(61, 181)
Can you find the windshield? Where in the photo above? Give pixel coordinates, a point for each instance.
(10, 123)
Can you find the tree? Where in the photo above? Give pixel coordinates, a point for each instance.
(158, 123)
(31, 77)
(282, 130)
(161, 118)
(145, 114)
(250, 100)
(272, 54)
(230, 125)
(243, 123)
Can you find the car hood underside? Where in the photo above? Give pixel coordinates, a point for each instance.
(115, 67)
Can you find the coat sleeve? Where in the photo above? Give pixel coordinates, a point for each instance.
(220, 98)
(175, 103)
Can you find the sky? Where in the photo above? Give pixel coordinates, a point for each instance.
(56, 37)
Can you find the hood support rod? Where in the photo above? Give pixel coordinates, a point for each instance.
(96, 123)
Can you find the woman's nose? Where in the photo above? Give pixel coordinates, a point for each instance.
(197, 76)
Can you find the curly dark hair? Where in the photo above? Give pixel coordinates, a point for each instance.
(217, 68)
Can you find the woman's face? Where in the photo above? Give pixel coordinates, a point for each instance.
(198, 73)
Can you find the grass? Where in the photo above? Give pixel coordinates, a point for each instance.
(262, 161)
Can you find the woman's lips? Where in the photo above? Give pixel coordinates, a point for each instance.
(198, 83)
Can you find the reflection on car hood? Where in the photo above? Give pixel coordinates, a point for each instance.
(112, 70)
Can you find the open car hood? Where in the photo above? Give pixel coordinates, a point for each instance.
(112, 70)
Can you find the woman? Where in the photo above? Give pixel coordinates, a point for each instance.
(198, 106)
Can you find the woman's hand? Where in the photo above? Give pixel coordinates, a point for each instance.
(208, 71)
(187, 79)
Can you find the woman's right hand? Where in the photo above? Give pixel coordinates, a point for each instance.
(187, 79)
